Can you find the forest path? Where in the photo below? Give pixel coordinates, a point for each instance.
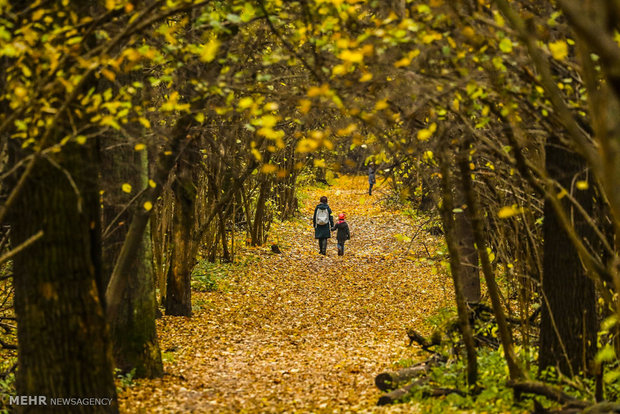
(297, 331)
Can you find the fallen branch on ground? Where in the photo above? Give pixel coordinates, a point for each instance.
(400, 393)
(602, 408)
(387, 381)
(552, 393)
(426, 344)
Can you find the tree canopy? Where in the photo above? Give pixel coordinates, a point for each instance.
(137, 136)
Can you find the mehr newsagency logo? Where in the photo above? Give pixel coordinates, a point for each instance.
(41, 400)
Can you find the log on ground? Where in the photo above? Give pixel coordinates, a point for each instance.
(400, 393)
(387, 381)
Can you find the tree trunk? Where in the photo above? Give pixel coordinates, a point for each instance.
(387, 381)
(64, 348)
(568, 317)
(134, 334)
(258, 234)
(470, 275)
(455, 264)
(222, 229)
(178, 290)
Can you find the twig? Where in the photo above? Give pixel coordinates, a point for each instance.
(7, 328)
(21, 247)
(106, 232)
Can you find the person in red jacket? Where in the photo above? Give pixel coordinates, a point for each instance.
(343, 233)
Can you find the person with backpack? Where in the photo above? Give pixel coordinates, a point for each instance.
(343, 233)
(371, 177)
(323, 222)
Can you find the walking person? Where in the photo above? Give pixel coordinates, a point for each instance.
(343, 233)
(322, 222)
(371, 177)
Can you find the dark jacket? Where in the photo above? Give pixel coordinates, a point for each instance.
(322, 232)
(371, 176)
(343, 231)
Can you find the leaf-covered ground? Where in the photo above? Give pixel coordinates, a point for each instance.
(297, 331)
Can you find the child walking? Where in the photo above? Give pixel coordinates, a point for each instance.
(343, 233)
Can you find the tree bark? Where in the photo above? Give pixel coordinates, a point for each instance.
(568, 317)
(133, 330)
(470, 274)
(258, 237)
(400, 393)
(178, 286)
(64, 346)
(455, 264)
(391, 380)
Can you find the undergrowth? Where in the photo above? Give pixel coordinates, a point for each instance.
(493, 395)
(210, 277)
(7, 383)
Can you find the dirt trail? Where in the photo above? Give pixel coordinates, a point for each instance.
(299, 332)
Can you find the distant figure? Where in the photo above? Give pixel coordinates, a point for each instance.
(343, 233)
(371, 177)
(322, 222)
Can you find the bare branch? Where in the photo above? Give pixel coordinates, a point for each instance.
(21, 247)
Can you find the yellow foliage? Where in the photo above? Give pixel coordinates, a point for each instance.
(20, 92)
(339, 70)
(304, 106)
(245, 103)
(257, 155)
(270, 133)
(209, 51)
(145, 122)
(430, 37)
(382, 104)
(268, 168)
(510, 211)
(307, 145)
(267, 121)
(271, 106)
(109, 120)
(108, 74)
(348, 130)
(559, 49)
(424, 134)
(323, 90)
(352, 56)
(366, 77)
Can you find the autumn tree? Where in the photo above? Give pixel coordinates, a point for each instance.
(64, 345)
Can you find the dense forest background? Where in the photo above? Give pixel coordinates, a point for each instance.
(137, 135)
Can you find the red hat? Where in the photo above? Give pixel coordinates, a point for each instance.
(341, 216)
